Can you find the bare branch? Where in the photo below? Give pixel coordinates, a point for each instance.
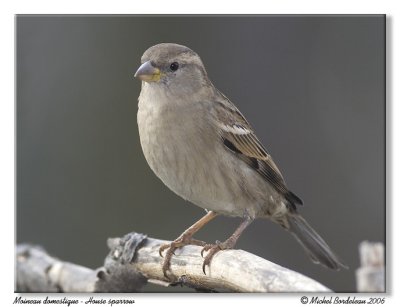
(39, 272)
(371, 274)
(135, 258)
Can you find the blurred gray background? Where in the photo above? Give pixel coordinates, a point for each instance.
(311, 86)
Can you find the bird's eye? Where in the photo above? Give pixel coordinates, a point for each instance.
(174, 66)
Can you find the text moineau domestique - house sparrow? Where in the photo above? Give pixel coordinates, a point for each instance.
(201, 147)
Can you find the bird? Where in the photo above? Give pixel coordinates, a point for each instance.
(202, 148)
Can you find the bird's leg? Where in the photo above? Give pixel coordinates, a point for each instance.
(228, 244)
(185, 239)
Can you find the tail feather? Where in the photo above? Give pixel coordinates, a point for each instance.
(312, 242)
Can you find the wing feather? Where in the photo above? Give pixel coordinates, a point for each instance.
(238, 136)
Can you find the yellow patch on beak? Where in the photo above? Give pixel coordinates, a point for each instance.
(148, 72)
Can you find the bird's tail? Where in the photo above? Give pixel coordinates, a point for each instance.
(312, 242)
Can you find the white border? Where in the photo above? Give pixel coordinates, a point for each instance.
(9, 8)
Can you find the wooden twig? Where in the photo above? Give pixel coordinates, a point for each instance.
(371, 274)
(134, 259)
(36, 271)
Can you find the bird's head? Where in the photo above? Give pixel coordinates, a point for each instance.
(173, 67)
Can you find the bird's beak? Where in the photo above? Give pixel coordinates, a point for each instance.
(148, 72)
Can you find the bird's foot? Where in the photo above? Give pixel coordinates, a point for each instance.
(173, 246)
(212, 249)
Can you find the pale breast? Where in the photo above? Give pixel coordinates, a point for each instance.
(186, 153)
(180, 152)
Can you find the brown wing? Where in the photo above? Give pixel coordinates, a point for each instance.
(238, 136)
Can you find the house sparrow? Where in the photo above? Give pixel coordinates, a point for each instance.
(201, 147)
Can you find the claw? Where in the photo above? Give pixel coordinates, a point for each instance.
(204, 268)
(167, 260)
(184, 239)
(227, 244)
(213, 249)
(172, 247)
(206, 248)
(163, 248)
